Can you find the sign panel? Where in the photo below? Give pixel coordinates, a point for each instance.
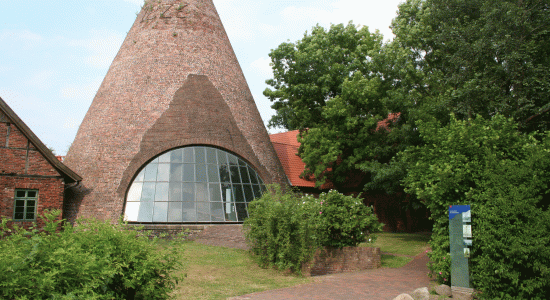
(460, 234)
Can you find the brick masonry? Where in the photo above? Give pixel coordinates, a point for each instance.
(22, 166)
(174, 82)
(347, 259)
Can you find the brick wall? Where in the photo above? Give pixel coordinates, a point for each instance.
(130, 119)
(23, 167)
(347, 259)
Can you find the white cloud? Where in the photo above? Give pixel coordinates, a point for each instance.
(20, 35)
(103, 46)
(42, 80)
(261, 66)
(136, 2)
(238, 18)
(371, 13)
(27, 38)
(84, 91)
(71, 123)
(264, 107)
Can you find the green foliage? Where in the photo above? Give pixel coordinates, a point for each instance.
(503, 175)
(285, 228)
(479, 57)
(93, 260)
(344, 220)
(312, 70)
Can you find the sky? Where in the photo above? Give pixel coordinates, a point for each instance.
(54, 54)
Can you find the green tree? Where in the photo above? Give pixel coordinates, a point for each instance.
(311, 71)
(480, 57)
(503, 174)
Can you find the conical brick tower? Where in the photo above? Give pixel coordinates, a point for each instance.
(175, 84)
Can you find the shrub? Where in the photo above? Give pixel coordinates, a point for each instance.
(512, 257)
(504, 176)
(345, 220)
(285, 228)
(94, 260)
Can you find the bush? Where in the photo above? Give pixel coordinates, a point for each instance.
(94, 260)
(285, 228)
(504, 176)
(512, 257)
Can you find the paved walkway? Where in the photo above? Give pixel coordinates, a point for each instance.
(383, 283)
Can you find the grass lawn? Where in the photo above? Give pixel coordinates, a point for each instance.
(219, 272)
(399, 243)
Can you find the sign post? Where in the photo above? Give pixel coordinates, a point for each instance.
(460, 234)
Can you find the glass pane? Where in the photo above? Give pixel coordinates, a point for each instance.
(248, 194)
(161, 191)
(242, 163)
(20, 194)
(188, 156)
(257, 192)
(151, 172)
(238, 190)
(165, 158)
(224, 174)
(189, 214)
(175, 191)
(201, 192)
(29, 216)
(216, 211)
(241, 211)
(176, 172)
(176, 156)
(209, 181)
(200, 173)
(203, 211)
(262, 188)
(19, 209)
(188, 190)
(227, 193)
(230, 213)
(244, 175)
(252, 173)
(175, 211)
(199, 155)
(148, 192)
(145, 212)
(160, 212)
(235, 178)
(215, 192)
(213, 175)
(31, 194)
(20, 203)
(211, 156)
(30, 209)
(163, 172)
(222, 157)
(135, 191)
(141, 175)
(188, 172)
(232, 159)
(131, 211)
(18, 216)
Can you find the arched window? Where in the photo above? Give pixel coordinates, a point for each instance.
(193, 184)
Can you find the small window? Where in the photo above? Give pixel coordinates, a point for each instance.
(25, 205)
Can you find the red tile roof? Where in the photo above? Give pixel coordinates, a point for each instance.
(286, 145)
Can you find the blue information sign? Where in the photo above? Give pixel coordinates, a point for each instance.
(460, 234)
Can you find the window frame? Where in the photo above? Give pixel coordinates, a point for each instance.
(25, 198)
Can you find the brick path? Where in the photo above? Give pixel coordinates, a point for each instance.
(383, 283)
